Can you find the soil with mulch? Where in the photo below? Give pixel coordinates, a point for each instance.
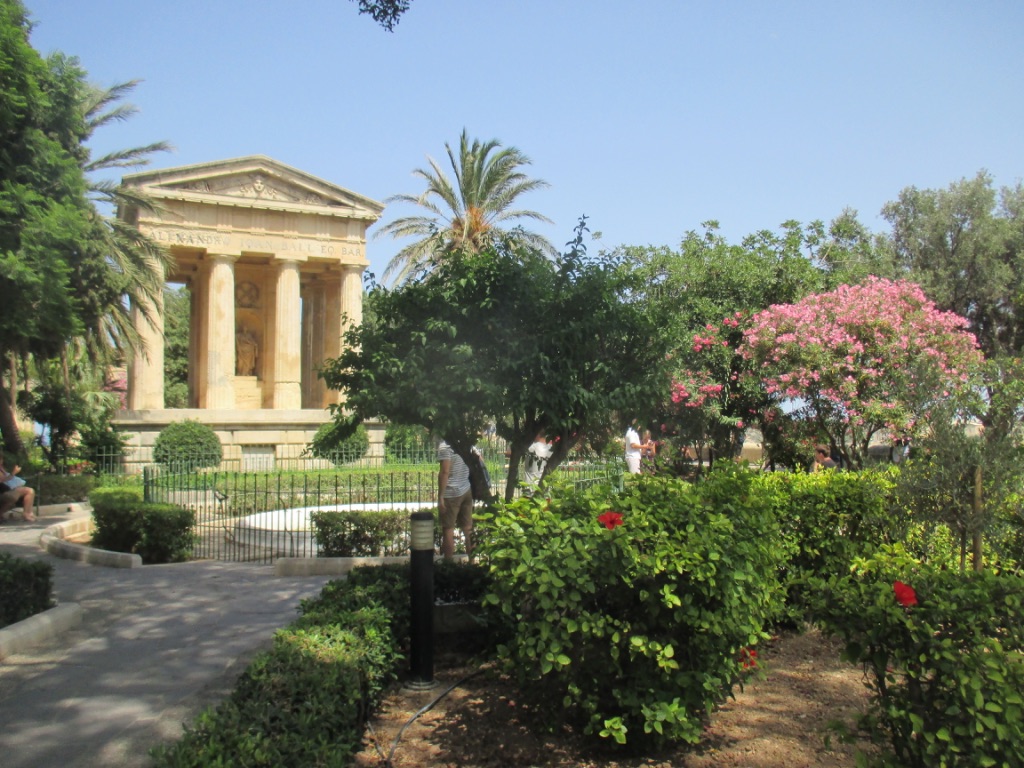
(779, 720)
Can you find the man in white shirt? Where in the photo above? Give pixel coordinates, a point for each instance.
(454, 500)
(633, 449)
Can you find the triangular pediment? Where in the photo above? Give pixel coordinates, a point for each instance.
(254, 181)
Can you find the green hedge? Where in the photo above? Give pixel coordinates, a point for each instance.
(187, 445)
(361, 534)
(828, 518)
(63, 489)
(306, 701)
(630, 612)
(944, 653)
(26, 586)
(158, 533)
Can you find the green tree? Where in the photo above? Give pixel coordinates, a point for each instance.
(71, 271)
(465, 215)
(507, 336)
(43, 204)
(965, 246)
(703, 294)
(387, 13)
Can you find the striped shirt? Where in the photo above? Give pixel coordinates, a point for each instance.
(458, 472)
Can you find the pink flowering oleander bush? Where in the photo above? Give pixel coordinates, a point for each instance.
(631, 614)
(712, 398)
(862, 359)
(944, 657)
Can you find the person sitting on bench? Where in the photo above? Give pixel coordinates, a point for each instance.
(14, 492)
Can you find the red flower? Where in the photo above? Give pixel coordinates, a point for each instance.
(905, 594)
(610, 519)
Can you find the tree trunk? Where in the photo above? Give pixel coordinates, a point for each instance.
(8, 420)
(976, 542)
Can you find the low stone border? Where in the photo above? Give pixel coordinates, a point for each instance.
(53, 540)
(34, 630)
(332, 566)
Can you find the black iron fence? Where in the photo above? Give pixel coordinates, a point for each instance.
(261, 515)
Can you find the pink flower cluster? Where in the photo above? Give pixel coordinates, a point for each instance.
(871, 355)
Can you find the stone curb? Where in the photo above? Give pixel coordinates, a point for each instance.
(34, 630)
(53, 540)
(332, 566)
(327, 566)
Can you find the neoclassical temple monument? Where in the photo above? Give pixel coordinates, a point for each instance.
(273, 258)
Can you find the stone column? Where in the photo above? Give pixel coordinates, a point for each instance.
(287, 337)
(197, 323)
(351, 296)
(332, 336)
(146, 371)
(313, 332)
(220, 334)
(350, 306)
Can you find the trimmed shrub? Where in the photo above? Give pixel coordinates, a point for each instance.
(944, 656)
(63, 489)
(830, 518)
(26, 586)
(306, 701)
(409, 444)
(361, 534)
(187, 445)
(158, 533)
(628, 612)
(338, 445)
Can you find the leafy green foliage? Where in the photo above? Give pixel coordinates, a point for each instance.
(945, 667)
(702, 293)
(187, 445)
(504, 336)
(27, 587)
(465, 215)
(339, 445)
(361, 534)
(158, 533)
(306, 701)
(628, 611)
(829, 519)
(412, 444)
(63, 489)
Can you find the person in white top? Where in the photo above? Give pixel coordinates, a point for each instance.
(633, 450)
(454, 500)
(537, 456)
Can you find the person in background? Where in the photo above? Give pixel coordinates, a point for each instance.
(822, 459)
(454, 500)
(648, 448)
(537, 456)
(15, 493)
(633, 449)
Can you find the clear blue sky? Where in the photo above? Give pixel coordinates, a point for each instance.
(649, 117)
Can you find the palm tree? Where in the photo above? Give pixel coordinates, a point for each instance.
(136, 265)
(467, 214)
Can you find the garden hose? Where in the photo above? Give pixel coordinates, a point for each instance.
(424, 709)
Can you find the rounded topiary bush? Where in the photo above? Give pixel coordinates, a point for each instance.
(188, 445)
(331, 443)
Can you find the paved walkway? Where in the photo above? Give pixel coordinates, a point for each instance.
(156, 645)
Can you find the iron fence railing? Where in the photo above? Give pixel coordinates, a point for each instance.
(261, 515)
